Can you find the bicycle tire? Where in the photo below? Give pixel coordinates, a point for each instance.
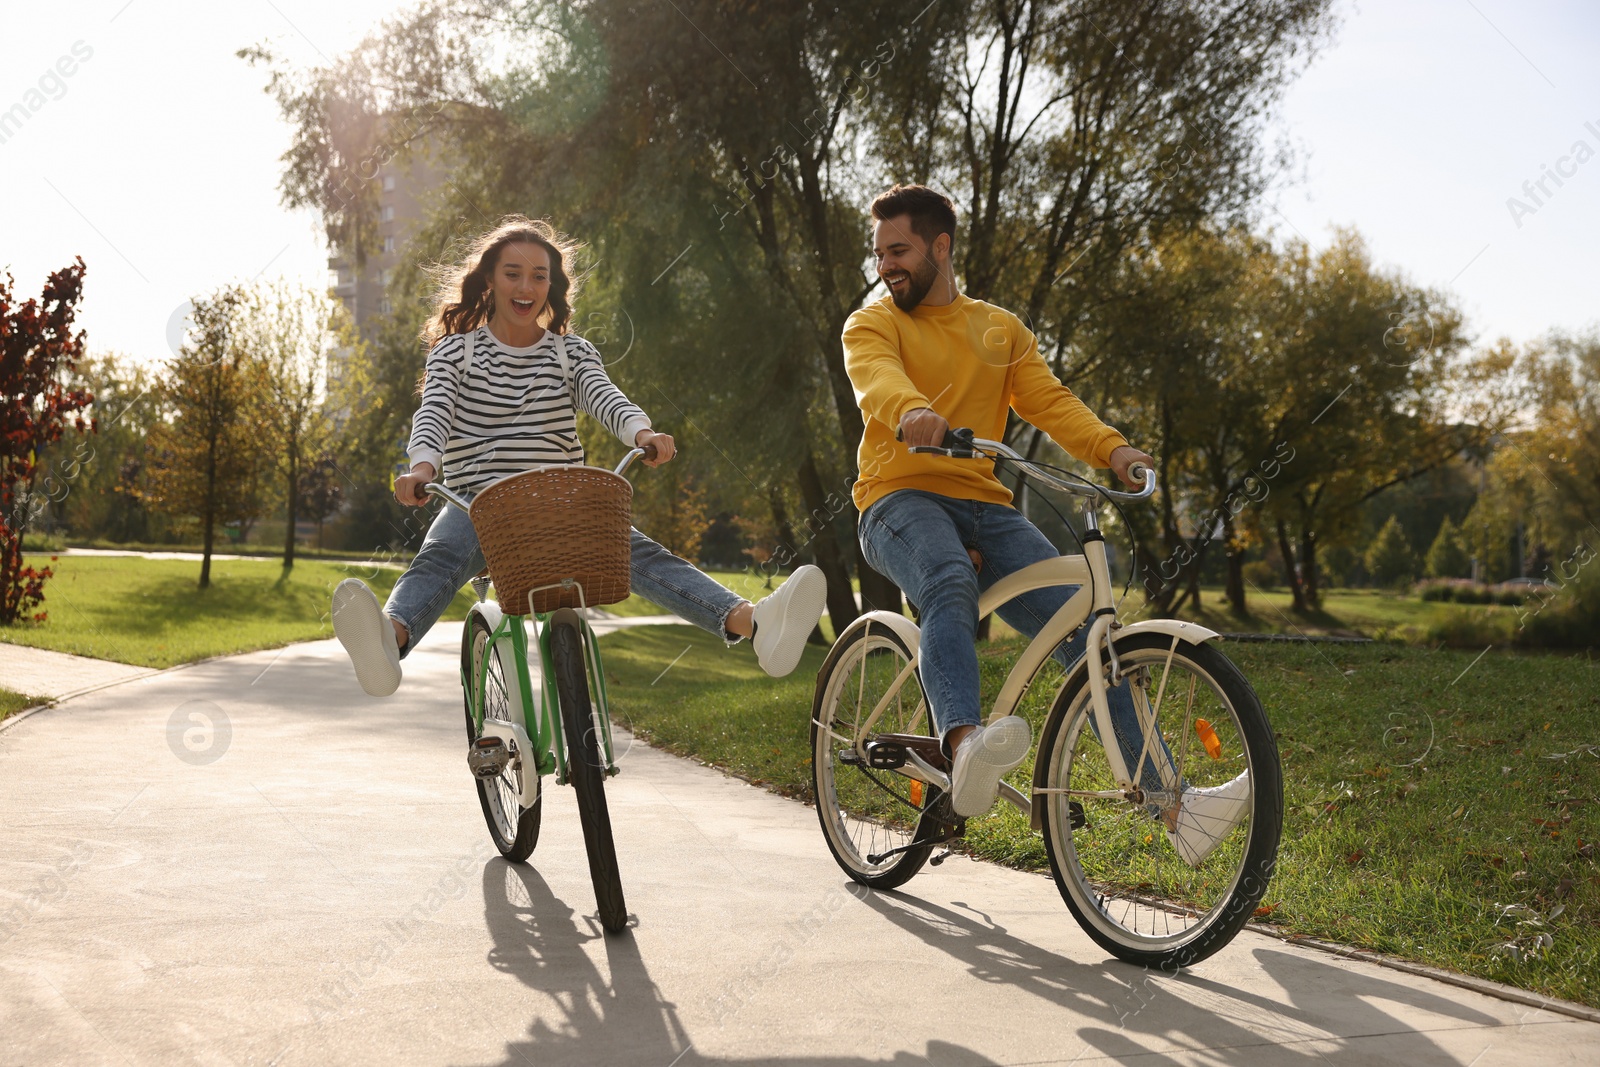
(515, 833)
(1118, 858)
(585, 767)
(857, 821)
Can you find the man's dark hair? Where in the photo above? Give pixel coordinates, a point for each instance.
(930, 211)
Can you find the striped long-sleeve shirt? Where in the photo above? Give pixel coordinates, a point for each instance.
(490, 410)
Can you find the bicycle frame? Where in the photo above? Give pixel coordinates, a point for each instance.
(544, 735)
(1091, 572)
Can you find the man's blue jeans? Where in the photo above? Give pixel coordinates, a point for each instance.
(920, 540)
(450, 556)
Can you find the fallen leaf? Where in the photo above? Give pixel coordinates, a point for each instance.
(1266, 909)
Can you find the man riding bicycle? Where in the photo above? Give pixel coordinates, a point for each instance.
(925, 358)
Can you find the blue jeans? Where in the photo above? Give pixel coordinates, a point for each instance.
(450, 556)
(920, 540)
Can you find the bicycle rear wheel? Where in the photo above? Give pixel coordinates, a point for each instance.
(513, 827)
(870, 815)
(1115, 861)
(586, 767)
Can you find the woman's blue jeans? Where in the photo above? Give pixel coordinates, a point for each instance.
(920, 540)
(450, 556)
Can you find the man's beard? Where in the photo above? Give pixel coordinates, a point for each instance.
(917, 287)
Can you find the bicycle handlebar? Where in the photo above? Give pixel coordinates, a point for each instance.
(960, 444)
(648, 452)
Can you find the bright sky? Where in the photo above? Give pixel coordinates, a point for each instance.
(156, 159)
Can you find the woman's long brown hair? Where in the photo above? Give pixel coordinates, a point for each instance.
(464, 299)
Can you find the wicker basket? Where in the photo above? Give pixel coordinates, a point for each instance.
(546, 526)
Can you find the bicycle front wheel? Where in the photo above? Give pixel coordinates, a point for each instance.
(1166, 879)
(872, 818)
(513, 826)
(586, 767)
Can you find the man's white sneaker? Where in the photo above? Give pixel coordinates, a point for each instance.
(368, 636)
(786, 618)
(1208, 816)
(985, 756)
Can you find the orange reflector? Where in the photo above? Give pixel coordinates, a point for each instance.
(1208, 738)
(916, 793)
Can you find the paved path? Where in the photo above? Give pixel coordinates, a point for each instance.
(40, 672)
(250, 862)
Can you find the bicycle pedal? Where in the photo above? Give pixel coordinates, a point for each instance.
(1077, 818)
(488, 757)
(885, 755)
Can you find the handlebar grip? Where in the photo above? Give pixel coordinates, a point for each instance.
(954, 437)
(649, 451)
(1138, 471)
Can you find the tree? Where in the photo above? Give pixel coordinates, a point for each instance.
(641, 136)
(1389, 558)
(207, 461)
(38, 352)
(79, 488)
(321, 491)
(1447, 556)
(1381, 390)
(288, 331)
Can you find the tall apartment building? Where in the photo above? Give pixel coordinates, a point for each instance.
(363, 288)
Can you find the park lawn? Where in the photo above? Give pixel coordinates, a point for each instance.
(1438, 807)
(152, 613)
(11, 703)
(1376, 613)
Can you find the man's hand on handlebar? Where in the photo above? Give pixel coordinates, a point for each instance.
(408, 487)
(923, 426)
(1125, 456)
(665, 449)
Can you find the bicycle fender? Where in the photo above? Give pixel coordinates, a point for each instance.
(490, 610)
(1191, 632)
(904, 628)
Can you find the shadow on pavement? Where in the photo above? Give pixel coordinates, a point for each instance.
(1153, 1012)
(624, 1021)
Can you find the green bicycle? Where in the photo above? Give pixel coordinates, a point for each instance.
(512, 723)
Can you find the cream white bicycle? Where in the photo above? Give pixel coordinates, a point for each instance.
(1161, 845)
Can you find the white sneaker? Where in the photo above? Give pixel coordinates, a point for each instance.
(985, 756)
(366, 633)
(1207, 816)
(786, 618)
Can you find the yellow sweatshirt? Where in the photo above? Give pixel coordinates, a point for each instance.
(969, 361)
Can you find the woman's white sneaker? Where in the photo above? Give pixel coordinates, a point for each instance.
(368, 636)
(1208, 816)
(985, 756)
(786, 618)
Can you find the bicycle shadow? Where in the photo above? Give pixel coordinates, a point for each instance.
(1149, 1012)
(620, 1020)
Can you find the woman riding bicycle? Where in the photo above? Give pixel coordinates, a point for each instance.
(502, 386)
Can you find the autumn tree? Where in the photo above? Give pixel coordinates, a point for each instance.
(209, 460)
(38, 352)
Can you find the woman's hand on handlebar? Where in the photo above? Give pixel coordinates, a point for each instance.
(663, 444)
(923, 426)
(408, 487)
(1124, 457)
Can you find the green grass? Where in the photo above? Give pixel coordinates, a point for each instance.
(11, 703)
(152, 613)
(1439, 807)
(745, 583)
